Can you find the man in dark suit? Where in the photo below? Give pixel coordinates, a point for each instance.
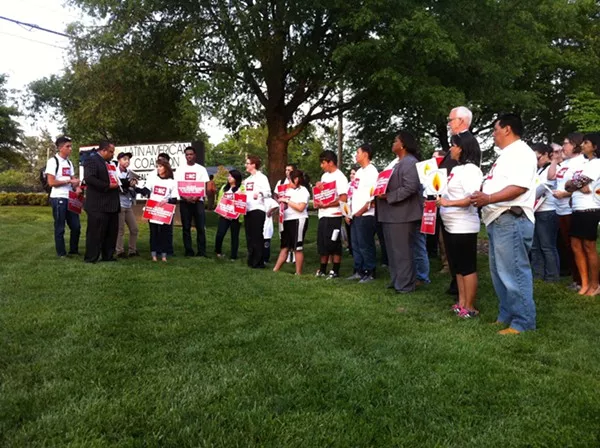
(102, 204)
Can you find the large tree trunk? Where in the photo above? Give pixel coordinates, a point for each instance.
(277, 149)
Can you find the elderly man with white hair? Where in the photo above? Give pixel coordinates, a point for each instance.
(459, 123)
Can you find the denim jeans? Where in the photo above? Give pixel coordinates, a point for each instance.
(511, 238)
(62, 215)
(363, 244)
(544, 254)
(421, 258)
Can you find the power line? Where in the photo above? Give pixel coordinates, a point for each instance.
(37, 27)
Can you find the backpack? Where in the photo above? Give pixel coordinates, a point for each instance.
(44, 177)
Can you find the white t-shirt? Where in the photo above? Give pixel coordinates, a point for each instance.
(517, 165)
(162, 189)
(296, 195)
(191, 173)
(564, 173)
(462, 182)
(256, 183)
(341, 186)
(364, 182)
(541, 178)
(586, 201)
(64, 173)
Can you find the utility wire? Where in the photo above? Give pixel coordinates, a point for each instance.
(37, 27)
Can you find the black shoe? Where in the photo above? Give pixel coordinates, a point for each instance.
(189, 254)
(134, 254)
(109, 260)
(122, 255)
(73, 253)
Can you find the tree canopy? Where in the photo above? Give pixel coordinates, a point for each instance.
(10, 131)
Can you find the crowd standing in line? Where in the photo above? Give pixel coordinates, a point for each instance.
(531, 199)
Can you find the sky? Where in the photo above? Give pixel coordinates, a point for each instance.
(28, 54)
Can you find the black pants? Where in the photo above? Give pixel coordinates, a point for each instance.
(193, 211)
(254, 223)
(223, 227)
(161, 238)
(101, 235)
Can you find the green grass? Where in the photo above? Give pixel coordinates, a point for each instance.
(201, 352)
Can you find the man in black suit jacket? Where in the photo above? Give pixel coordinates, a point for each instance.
(102, 205)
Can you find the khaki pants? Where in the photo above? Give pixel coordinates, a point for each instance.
(126, 216)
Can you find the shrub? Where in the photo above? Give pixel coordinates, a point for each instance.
(23, 199)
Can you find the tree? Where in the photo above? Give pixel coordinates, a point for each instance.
(129, 98)
(10, 132)
(280, 62)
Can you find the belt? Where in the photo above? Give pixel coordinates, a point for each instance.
(515, 211)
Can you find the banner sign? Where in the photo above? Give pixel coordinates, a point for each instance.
(112, 174)
(382, 182)
(239, 202)
(429, 218)
(324, 195)
(226, 208)
(190, 189)
(75, 204)
(157, 213)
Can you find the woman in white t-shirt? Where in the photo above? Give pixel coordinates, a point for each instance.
(162, 188)
(461, 221)
(295, 221)
(586, 215)
(257, 190)
(544, 254)
(572, 159)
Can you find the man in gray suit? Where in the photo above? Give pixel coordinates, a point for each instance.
(399, 210)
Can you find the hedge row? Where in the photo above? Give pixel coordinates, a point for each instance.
(23, 199)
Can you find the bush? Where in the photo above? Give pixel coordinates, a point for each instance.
(23, 199)
(19, 181)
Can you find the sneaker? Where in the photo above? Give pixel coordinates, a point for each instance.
(574, 286)
(221, 256)
(367, 278)
(355, 276)
(333, 275)
(134, 254)
(466, 314)
(320, 274)
(121, 255)
(456, 308)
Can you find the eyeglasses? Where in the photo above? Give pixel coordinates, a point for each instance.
(452, 119)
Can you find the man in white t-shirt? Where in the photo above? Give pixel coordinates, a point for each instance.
(363, 216)
(60, 174)
(192, 207)
(507, 197)
(329, 239)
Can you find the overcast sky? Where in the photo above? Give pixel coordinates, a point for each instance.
(28, 54)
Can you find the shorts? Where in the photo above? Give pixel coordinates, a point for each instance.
(293, 234)
(461, 252)
(584, 224)
(325, 231)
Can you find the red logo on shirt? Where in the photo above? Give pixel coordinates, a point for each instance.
(561, 173)
(250, 186)
(66, 171)
(190, 176)
(160, 191)
(450, 176)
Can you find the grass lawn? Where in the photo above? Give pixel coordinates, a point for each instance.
(205, 352)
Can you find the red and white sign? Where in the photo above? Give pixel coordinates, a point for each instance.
(429, 218)
(159, 213)
(112, 174)
(282, 190)
(324, 195)
(75, 204)
(226, 208)
(239, 202)
(353, 186)
(190, 189)
(382, 182)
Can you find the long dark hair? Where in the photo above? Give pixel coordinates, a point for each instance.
(470, 149)
(594, 139)
(238, 181)
(576, 139)
(169, 170)
(410, 143)
(299, 174)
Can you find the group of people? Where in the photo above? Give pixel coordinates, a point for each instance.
(531, 199)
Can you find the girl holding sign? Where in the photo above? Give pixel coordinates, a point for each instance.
(461, 221)
(295, 220)
(234, 185)
(162, 189)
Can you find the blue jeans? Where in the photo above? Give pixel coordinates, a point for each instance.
(62, 215)
(363, 244)
(544, 254)
(511, 238)
(421, 258)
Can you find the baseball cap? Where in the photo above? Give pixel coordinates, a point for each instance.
(124, 154)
